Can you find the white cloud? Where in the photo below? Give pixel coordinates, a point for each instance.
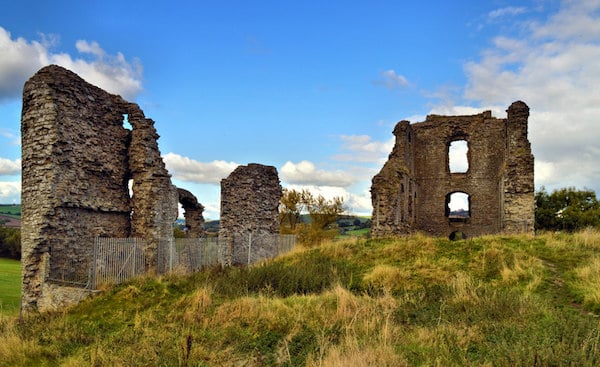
(507, 11)
(186, 169)
(554, 68)
(8, 134)
(545, 173)
(22, 58)
(362, 148)
(391, 80)
(91, 48)
(306, 173)
(10, 192)
(359, 204)
(448, 110)
(9, 167)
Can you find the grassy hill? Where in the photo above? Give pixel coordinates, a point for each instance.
(11, 210)
(496, 300)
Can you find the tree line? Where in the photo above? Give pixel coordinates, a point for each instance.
(10, 243)
(566, 209)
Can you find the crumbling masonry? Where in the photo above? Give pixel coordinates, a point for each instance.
(78, 160)
(414, 189)
(250, 198)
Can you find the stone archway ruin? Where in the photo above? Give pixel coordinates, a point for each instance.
(194, 220)
(411, 192)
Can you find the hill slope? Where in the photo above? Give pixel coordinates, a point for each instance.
(408, 301)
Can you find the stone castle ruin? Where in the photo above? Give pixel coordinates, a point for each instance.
(91, 168)
(79, 159)
(250, 198)
(418, 187)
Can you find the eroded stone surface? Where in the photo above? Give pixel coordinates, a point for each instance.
(77, 161)
(194, 220)
(410, 192)
(250, 198)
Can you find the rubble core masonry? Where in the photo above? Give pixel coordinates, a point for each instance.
(415, 189)
(91, 167)
(250, 198)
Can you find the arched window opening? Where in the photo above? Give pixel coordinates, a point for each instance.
(126, 123)
(458, 206)
(458, 160)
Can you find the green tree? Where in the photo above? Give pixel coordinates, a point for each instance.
(566, 209)
(290, 208)
(323, 214)
(10, 243)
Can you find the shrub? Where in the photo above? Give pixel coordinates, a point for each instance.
(10, 243)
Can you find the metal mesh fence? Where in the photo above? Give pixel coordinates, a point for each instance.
(187, 254)
(117, 259)
(114, 260)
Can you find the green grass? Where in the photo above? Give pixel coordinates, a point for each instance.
(491, 301)
(10, 286)
(357, 232)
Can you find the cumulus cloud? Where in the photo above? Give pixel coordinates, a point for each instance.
(362, 148)
(187, 169)
(391, 80)
(554, 68)
(22, 58)
(9, 167)
(10, 192)
(306, 173)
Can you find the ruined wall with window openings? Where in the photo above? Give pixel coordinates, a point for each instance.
(418, 187)
(78, 161)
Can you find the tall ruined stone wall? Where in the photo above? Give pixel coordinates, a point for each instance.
(250, 198)
(394, 188)
(77, 159)
(154, 201)
(518, 203)
(411, 191)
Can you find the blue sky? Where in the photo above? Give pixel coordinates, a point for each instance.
(315, 88)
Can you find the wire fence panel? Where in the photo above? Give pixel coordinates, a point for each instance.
(187, 254)
(115, 260)
(251, 247)
(68, 264)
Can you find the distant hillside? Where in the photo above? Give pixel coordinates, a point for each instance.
(10, 215)
(11, 210)
(411, 301)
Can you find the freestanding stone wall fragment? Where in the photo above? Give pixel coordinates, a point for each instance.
(249, 211)
(414, 189)
(194, 220)
(77, 161)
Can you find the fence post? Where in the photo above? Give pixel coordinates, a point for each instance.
(134, 257)
(249, 246)
(170, 255)
(93, 265)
